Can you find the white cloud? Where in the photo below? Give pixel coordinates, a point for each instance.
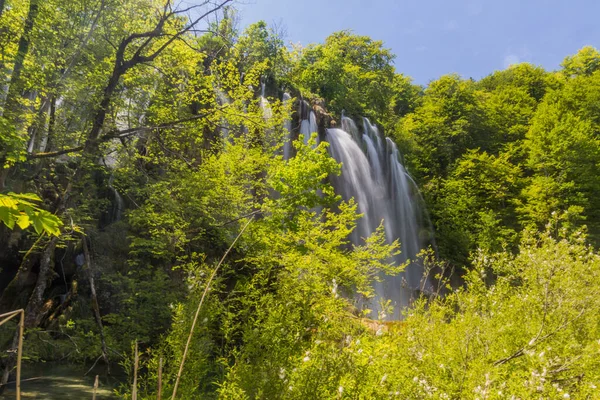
(511, 59)
(514, 56)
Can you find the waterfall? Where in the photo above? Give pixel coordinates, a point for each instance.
(264, 103)
(348, 125)
(119, 204)
(372, 174)
(356, 182)
(287, 125)
(309, 126)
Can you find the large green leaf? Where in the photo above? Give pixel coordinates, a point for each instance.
(22, 210)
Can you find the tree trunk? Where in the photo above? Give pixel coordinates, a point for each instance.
(10, 107)
(98, 317)
(16, 84)
(37, 308)
(37, 129)
(35, 311)
(51, 125)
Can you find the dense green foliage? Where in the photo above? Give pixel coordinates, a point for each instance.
(140, 146)
(356, 76)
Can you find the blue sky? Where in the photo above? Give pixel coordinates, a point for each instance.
(435, 37)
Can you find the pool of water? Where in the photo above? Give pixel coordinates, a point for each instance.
(51, 381)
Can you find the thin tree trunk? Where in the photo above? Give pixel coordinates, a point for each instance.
(160, 368)
(38, 127)
(3, 174)
(35, 311)
(51, 125)
(16, 84)
(2, 66)
(136, 360)
(10, 107)
(98, 317)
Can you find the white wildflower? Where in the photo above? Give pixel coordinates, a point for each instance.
(306, 356)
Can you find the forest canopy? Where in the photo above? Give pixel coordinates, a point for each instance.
(144, 195)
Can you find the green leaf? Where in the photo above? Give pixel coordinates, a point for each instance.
(23, 221)
(44, 221)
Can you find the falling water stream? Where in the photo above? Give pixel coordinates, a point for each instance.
(287, 145)
(308, 121)
(119, 204)
(372, 174)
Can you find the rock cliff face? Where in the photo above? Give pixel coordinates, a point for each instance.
(324, 120)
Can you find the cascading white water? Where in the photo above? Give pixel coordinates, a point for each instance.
(264, 103)
(374, 159)
(309, 126)
(119, 204)
(373, 175)
(287, 125)
(356, 182)
(348, 125)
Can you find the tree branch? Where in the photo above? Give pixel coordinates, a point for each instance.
(152, 56)
(126, 133)
(537, 339)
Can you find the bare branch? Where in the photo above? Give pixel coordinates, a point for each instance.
(181, 32)
(190, 8)
(121, 134)
(537, 339)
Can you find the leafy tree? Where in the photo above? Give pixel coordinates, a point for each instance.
(146, 138)
(534, 80)
(447, 123)
(563, 151)
(355, 75)
(585, 62)
(259, 43)
(476, 206)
